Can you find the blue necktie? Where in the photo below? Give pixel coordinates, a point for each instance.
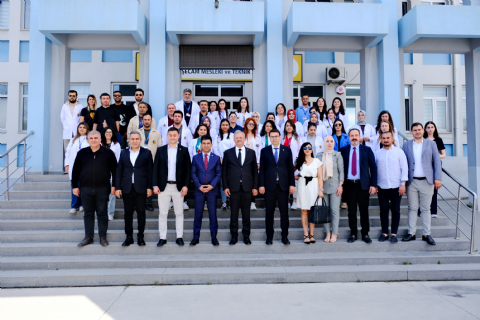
(276, 158)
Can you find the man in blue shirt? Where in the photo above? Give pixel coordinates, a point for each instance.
(234, 127)
(303, 113)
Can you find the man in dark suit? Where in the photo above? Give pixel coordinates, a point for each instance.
(361, 182)
(171, 176)
(206, 173)
(276, 181)
(134, 182)
(240, 180)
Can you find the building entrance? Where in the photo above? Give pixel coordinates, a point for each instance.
(231, 92)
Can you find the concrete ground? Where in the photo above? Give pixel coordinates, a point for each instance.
(380, 300)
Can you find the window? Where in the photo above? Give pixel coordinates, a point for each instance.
(4, 14)
(352, 57)
(464, 108)
(408, 110)
(24, 107)
(438, 3)
(3, 149)
(462, 59)
(81, 56)
(319, 57)
(83, 90)
(4, 47)
(408, 58)
(449, 150)
(437, 59)
(127, 90)
(404, 7)
(26, 14)
(3, 106)
(230, 92)
(24, 51)
(117, 56)
(352, 104)
(314, 92)
(435, 106)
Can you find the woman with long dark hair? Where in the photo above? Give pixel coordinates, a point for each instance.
(377, 142)
(321, 106)
(225, 141)
(109, 140)
(270, 116)
(213, 111)
(367, 132)
(265, 133)
(252, 141)
(281, 115)
(339, 135)
(292, 116)
(310, 186)
(222, 112)
(340, 112)
(195, 145)
(206, 120)
(386, 116)
(243, 111)
(328, 122)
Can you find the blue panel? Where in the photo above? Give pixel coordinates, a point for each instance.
(408, 58)
(465, 150)
(81, 56)
(437, 59)
(462, 59)
(4, 46)
(352, 57)
(117, 56)
(20, 156)
(3, 161)
(24, 51)
(319, 57)
(449, 150)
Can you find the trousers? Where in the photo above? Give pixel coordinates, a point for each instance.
(200, 198)
(389, 199)
(419, 194)
(134, 201)
(170, 193)
(271, 198)
(354, 194)
(333, 201)
(95, 200)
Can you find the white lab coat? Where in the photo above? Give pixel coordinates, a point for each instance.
(277, 121)
(194, 122)
(298, 128)
(329, 126)
(345, 120)
(185, 140)
(162, 127)
(318, 145)
(256, 146)
(262, 141)
(71, 152)
(321, 130)
(195, 108)
(214, 116)
(242, 117)
(369, 132)
(70, 122)
(225, 144)
(294, 146)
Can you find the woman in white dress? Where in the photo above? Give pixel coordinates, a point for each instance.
(109, 140)
(340, 112)
(256, 117)
(225, 142)
(329, 121)
(281, 115)
(195, 145)
(292, 116)
(310, 186)
(243, 111)
(367, 132)
(76, 144)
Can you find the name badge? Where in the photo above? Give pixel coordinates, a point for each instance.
(188, 114)
(304, 118)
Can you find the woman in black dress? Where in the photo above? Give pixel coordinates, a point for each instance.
(431, 133)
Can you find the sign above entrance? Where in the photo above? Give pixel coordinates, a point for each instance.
(217, 74)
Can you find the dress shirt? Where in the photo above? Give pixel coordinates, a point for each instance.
(135, 106)
(278, 154)
(133, 158)
(208, 155)
(180, 131)
(392, 167)
(350, 176)
(417, 157)
(172, 163)
(243, 153)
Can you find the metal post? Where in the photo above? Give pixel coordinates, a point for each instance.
(24, 159)
(474, 215)
(457, 232)
(8, 174)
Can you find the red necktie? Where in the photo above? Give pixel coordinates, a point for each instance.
(206, 167)
(354, 162)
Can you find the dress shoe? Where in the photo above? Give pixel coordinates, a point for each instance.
(409, 237)
(149, 207)
(215, 242)
(194, 242)
(161, 242)
(352, 238)
(233, 241)
(246, 240)
(285, 240)
(393, 239)
(269, 241)
(85, 242)
(141, 241)
(103, 241)
(180, 242)
(383, 238)
(127, 241)
(366, 238)
(429, 240)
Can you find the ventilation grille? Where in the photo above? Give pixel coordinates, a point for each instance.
(216, 57)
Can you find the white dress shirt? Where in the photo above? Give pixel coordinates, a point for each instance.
(133, 159)
(350, 176)
(243, 153)
(417, 156)
(172, 162)
(273, 150)
(392, 167)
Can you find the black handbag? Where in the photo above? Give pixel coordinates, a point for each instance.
(319, 214)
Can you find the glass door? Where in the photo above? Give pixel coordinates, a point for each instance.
(314, 92)
(127, 90)
(214, 92)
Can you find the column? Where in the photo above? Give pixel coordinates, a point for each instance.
(369, 84)
(274, 59)
(39, 87)
(157, 58)
(457, 107)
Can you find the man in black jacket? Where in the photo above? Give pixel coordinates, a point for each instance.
(134, 182)
(240, 180)
(93, 168)
(171, 176)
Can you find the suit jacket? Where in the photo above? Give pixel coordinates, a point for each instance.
(269, 169)
(331, 185)
(368, 168)
(233, 171)
(211, 175)
(182, 172)
(142, 170)
(432, 166)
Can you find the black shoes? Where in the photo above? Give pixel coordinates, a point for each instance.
(85, 242)
(285, 240)
(269, 241)
(140, 241)
(194, 242)
(366, 238)
(409, 237)
(215, 242)
(352, 238)
(128, 241)
(233, 241)
(429, 240)
(161, 242)
(246, 240)
(149, 207)
(103, 241)
(393, 239)
(383, 238)
(180, 242)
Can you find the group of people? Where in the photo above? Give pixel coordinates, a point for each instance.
(308, 153)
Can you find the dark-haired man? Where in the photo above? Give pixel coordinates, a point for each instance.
(125, 113)
(70, 117)
(106, 116)
(139, 94)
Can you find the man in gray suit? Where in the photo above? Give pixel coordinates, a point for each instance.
(424, 174)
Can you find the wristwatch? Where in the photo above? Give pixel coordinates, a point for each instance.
(402, 184)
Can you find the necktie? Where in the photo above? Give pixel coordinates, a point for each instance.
(276, 158)
(239, 156)
(205, 162)
(354, 162)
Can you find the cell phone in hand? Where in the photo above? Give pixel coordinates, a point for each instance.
(205, 187)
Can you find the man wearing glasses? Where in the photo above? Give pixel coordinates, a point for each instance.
(126, 113)
(139, 94)
(70, 117)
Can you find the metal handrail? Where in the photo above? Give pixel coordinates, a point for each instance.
(6, 154)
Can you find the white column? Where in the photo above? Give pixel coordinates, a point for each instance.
(369, 83)
(457, 107)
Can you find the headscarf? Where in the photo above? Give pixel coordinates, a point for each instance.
(295, 113)
(209, 120)
(364, 122)
(327, 160)
(318, 118)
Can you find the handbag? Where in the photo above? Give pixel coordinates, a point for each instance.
(319, 214)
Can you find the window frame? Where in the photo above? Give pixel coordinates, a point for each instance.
(464, 109)
(232, 101)
(125, 99)
(408, 108)
(297, 99)
(4, 96)
(83, 96)
(22, 109)
(9, 6)
(434, 108)
(22, 16)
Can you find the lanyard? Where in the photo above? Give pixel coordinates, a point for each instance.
(80, 142)
(146, 139)
(140, 123)
(288, 141)
(189, 106)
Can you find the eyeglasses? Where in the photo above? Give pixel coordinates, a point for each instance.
(338, 125)
(117, 95)
(72, 95)
(307, 148)
(274, 137)
(251, 124)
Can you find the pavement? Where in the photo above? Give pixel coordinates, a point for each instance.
(363, 300)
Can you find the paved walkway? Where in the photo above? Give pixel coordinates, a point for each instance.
(395, 300)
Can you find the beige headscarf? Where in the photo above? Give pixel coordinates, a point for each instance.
(327, 160)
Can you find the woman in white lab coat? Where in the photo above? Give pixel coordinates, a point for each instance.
(243, 111)
(321, 130)
(280, 115)
(195, 145)
(329, 121)
(252, 141)
(340, 112)
(256, 117)
(265, 133)
(367, 132)
(294, 141)
(292, 116)
(315, 140)
(213, 133)
(225, 141)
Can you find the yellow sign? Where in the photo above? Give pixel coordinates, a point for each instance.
(137, 66)
(297, 68)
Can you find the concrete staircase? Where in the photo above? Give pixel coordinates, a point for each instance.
(39, 249)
